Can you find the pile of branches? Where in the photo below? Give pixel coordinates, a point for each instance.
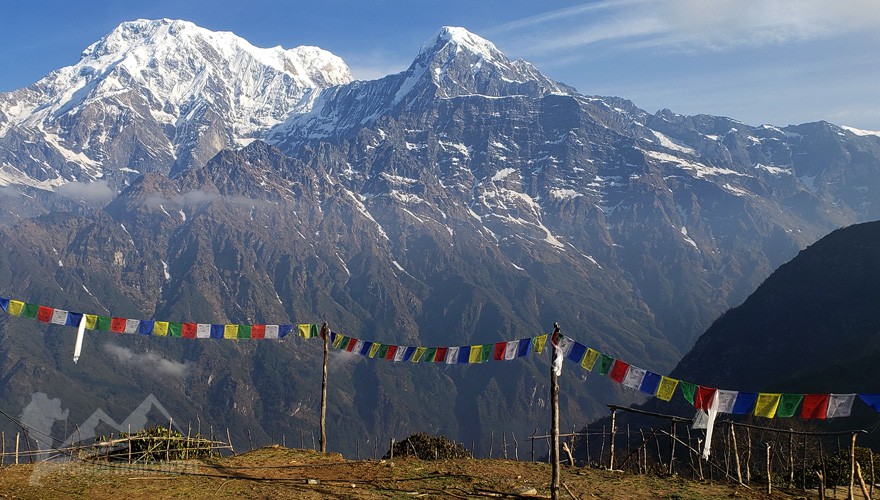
(427, 447)
(155, 444)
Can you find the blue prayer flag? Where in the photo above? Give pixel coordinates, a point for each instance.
(650, 383)
(365, 349)
(284, 330)
(217, 331)
(872, 400)
(577, 352)
(146, 327)
(73, 318)
(408, 353)
(4, 303)
(464, 355)
(525, 346)
(744, 403)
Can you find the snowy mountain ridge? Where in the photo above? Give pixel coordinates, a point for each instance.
(197, 91)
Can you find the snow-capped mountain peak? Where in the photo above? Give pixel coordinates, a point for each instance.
(190, 91)
(461, 39)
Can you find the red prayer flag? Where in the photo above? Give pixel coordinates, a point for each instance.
(44, 313)
(441, 355)
(258, 331)
(117, 325)
(499, 351)
(392, 350)
(351, 343)
(703, 398)
(618, 371)
(815, 406)
(187, 330)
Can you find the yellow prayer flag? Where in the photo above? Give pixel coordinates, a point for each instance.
(590, 359)
(305, 331)
(417, 356)
(767, 404)
(374, 349)
(230, 332)
(666, 389)
(91, 321)
(160, 328)
(15, 307)
(337, 341)
(476, 354)
(539, 342)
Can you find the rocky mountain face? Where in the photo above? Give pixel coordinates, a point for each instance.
(468, 199)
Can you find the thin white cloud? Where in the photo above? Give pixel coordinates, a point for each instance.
(688, 25)
(149, 362)
(98, 192)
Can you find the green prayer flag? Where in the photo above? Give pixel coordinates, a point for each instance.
(428, 357)
(244, 331)
(487, 351)
(605, 363)
(175, 329)
(30, 311)
(688, 390)
(788, 405)
(103, 324)
(383, 351)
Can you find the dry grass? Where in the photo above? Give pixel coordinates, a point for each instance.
(276, 472)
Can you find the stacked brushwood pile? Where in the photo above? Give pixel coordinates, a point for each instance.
(427, 447)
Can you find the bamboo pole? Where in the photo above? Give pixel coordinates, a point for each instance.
(672, 450)
(769, 475)
(325, 334)
(862, 482)
(17, 434)
(554, 418)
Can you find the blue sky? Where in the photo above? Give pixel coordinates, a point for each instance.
(768, 61)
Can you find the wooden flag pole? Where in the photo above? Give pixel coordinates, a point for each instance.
(325, 334)
(554, 418)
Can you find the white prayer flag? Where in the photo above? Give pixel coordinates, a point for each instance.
(358, 346)
(59, 317)
(203, 330)
(710, 425)
(565, 346)
(131, 326)
(452, 355)
(840, 405)
(77, 349)
(510, 350)
(725, 399)
(271, 332)
(634, 377)
(398, 355)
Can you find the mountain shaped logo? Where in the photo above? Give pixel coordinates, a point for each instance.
(41, 414)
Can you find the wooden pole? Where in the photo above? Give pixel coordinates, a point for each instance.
(554, 418)
(672, 450)
(852, 466)
(504, 444)
(821, 485)
(515, 447)
(748, 455)
(228, 440)
(769, 476)
(862, 482)
(739, 476)
(325, 334)
(129, 444)
(611, 437)
(533, 443)
(491, 442)
(168, 441)
(16, 447)
(873, 477)
(3, 449)
(587, 442)
(790, 459)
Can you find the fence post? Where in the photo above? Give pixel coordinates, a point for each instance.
(739, 476)
(852, 465)
(168, 441)
(672, 449)
(533, 443)
(769, 475)
(790, 459)
(16, 447)
(613, 430)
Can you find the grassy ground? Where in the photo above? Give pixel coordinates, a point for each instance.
(276, 472)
